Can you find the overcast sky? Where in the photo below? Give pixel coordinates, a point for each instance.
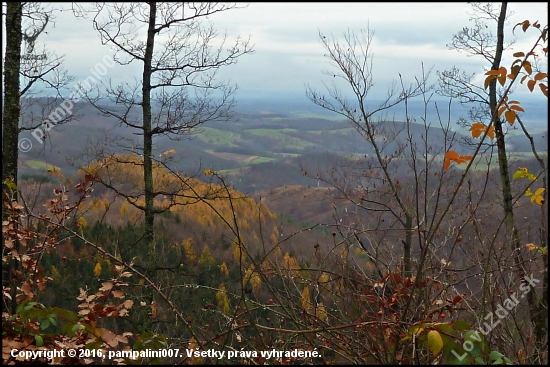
(288, 54)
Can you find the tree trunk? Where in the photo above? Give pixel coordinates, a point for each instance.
(537, 316)
(147, 134)
(10, 122)
(12, 109)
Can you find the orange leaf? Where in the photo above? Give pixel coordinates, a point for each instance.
(544, 89)
(450, 155)
(493, 72)
(477, 129)
(518, 54)
(510, 116)
(502, 79)
(540, 76)
(531, 85)
(465, 158)
(488, 81)
(522, 79)
(525, 25)
(517, 108)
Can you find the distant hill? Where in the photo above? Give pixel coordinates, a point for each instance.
(265, 146)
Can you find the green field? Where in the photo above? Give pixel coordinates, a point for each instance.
(288, 141)
(219, 137)
(34, 164)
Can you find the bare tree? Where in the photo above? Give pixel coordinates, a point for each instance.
(353, 60)
(178, 90)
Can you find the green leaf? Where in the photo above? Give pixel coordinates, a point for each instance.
(462, 325)
(45, 324)
(29, 306)
(450, 358)
(479, 360)
(434, 342)
(494, 355)
(53, 320)
(446, 328)
(476, 351)
(75, 328)
(39, 341)
(485, 347)
(473, 336)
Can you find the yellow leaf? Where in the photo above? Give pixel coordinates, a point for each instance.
(81, 222)
(97, 270)
(530, 246)
(207, 172)
(528, 192)
(538, 199)
(435, 342)
(539, 191)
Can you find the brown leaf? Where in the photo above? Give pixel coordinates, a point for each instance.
(108, 337)
(106, 286)
(128, 303)
(118, 293)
